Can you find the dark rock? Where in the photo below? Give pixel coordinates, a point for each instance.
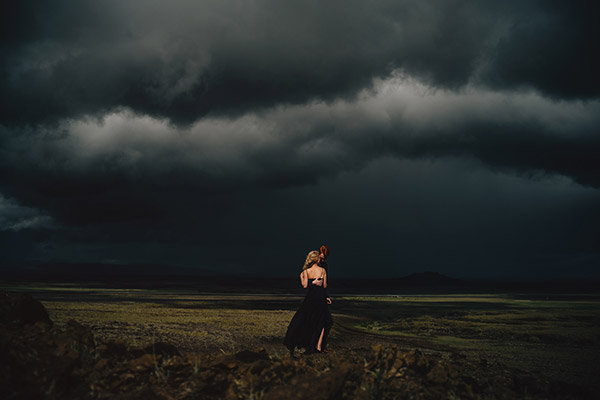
(327, 386)
(21, 309)
(162, 348)
(80, 333)
(43, 362)
(438, 374)
(411, 357)
(142, 363)
(259, 366)
(112, 349)
(248, 356)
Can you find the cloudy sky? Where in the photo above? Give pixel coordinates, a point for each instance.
(234, 136)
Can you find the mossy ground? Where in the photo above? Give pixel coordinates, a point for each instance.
(559, 339)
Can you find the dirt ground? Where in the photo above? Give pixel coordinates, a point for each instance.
(495, 334)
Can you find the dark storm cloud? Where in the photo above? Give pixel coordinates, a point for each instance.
(185, 59)
(394, 216)
(186, 131)
(552, 48)
(128, 167)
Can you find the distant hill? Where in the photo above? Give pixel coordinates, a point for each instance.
(165, 276)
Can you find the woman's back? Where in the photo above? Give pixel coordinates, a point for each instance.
(315, 272)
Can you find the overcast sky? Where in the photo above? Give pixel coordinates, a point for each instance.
(408, 135)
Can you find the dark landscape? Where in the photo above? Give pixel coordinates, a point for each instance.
(431, 341)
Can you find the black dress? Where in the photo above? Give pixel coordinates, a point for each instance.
(309, 321)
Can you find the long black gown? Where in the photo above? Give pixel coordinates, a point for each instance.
(311, 318)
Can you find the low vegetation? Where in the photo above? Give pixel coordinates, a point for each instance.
(469, 346)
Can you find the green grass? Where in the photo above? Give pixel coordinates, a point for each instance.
(185, 322)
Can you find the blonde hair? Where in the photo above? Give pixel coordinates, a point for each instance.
(311, 259)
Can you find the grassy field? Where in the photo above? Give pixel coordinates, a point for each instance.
(557, 338)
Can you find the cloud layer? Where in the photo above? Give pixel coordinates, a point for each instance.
(139, 122)
(184, 60)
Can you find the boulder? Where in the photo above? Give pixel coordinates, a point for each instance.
(21, 309)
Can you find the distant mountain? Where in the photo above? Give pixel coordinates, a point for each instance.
(167, 276)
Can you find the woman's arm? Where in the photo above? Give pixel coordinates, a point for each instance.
(325, 280)
(304, 279)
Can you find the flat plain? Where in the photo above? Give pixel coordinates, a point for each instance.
(553, 336)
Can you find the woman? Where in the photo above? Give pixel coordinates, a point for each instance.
(312, 319)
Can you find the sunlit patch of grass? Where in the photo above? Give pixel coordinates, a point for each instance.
(188, 327)
(525, 321)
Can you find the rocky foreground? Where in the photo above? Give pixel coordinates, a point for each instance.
(42, 361)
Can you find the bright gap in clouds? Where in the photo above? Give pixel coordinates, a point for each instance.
(398, 117)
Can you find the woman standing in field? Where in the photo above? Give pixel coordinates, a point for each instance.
(308, 325)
